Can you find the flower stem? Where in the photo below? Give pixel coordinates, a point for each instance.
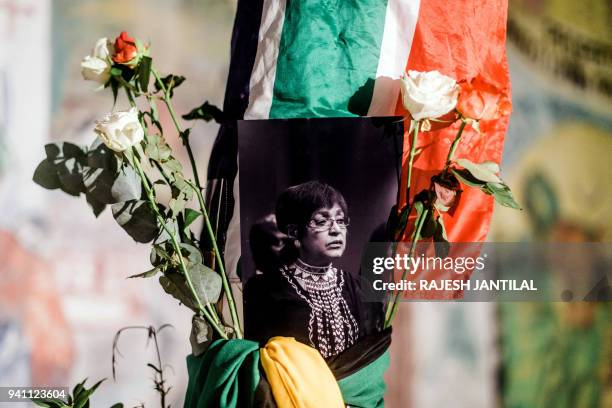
(211, 319)
(226, 287)
(451, 152)
(411, 156)
(198, 189)
(392, 307)
(184, 137)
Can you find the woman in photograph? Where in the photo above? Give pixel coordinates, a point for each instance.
(306, 296)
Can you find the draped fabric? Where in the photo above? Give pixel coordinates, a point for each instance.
(298, 375)
(286, 373)
(225, 376)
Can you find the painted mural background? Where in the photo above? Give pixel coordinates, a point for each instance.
(63, 292)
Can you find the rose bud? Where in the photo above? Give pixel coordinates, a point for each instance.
(481, 100)
(97, 66)
(446, 189)
(125, 49)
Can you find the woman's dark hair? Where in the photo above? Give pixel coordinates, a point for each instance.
(296, 204)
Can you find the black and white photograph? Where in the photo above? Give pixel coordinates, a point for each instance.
(313, 193)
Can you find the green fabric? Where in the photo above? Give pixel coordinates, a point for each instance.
(328, 57)
(366, 388)
(225, 376)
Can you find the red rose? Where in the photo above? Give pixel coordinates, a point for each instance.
(125, 48)
(481, 100)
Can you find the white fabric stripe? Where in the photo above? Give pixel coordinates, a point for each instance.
(261, 86)
(400, 25)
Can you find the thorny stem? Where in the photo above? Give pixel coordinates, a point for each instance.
(198, 189)
(208, 305)
(412, 154)
(392, 307)
(184, 137)
(176, 246)
(451, 152)
(226, 286)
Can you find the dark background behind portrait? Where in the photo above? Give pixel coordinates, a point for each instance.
(360, 157)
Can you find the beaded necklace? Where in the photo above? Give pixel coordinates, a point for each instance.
(331, 326)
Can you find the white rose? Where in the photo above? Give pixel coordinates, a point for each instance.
(120, 130)
(103, 49)
(97, 67)
(428, 95)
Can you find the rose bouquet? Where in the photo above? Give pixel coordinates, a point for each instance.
(128, 167)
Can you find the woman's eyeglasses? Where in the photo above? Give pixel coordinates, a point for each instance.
(323, 224)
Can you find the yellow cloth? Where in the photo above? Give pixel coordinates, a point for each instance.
(298, 375)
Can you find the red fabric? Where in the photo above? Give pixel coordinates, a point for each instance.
(461, 40)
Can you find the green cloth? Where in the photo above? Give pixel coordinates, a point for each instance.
(328, 57)
(366, 388)
(225, 376)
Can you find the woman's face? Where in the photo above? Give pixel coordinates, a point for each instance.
(321, 241)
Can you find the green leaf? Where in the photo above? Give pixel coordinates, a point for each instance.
(52, 151)
(175, 285)
(158, 255)
(429, 226)
(95, 205)
(481, 171)
(170, 83)
(190, 216)
(177, 205)
(49, 402)
(192, 253)
(98, 184)
(114, 84)
(157, 149)
(491, 166)
(206, 112)
(206, 282)
(70, 150)
(502, 194)
(71, 177)
(115, 71)
(146, 274)
(101, 157)
(173, 166)
(83, 398)
(127, 185)
(137, 218)
(154, 114)
(144, 72)
(466, 178)
(154, 110)
(172, 225)
(46, 176)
